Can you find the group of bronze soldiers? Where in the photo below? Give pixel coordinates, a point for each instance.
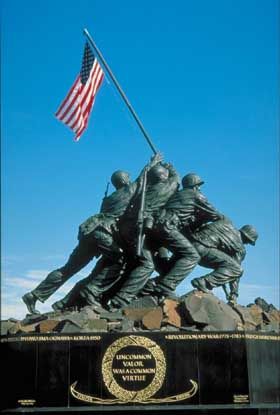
(145, 226)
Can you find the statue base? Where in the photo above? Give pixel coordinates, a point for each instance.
(188, 372)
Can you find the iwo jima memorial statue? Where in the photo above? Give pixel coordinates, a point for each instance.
(122, 338)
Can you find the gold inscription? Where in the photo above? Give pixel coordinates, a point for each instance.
(186, 336)
(50, 338)
(240, 398)
(134, 378)
(134, 371)
(133, 356)
(27, 402)
(221, 336)
(133, 368)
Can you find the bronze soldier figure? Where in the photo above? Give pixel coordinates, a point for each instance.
(186, 210)
(221, 247)
(96, 237)
(162, 183)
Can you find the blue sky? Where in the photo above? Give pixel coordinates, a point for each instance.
(203, 77)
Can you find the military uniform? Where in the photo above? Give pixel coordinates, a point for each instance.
(156, 196)
(103, 230)
(185, 211)
(89, 291)
(221, 248)
(96, 237)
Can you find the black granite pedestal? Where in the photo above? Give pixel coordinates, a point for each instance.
(158, 372)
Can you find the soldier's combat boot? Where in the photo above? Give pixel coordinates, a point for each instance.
(158, 292)
(149, 287)
(199, 284)
(29, 300)
(232, 300)
(58, 306)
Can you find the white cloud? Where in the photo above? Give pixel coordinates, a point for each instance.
(7, 296)
(59, 257)
(14, 306)
(28, 281)
(21, 283)
(23, 257)
(34, 275)
(12, 258)
(14, 310)
(13, 288)
(37, 274)
(16, 281)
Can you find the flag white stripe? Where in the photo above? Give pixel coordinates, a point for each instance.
(69, 97)
(89, 97)
(88, 92)
(74, 93)
(85, 109)
(68, 103)
(75, 109)
(75, 117)
(71, 115)
(81, 130)
(75, 126)
(70, 106)
(95, 81)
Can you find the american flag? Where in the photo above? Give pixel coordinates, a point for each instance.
(76, 107)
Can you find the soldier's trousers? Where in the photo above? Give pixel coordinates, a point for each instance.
(103, 277)
(137, 278)
(79, 258)
(100, 242)
(185, 258)
(225, 268)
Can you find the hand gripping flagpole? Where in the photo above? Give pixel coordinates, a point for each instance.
(117, 85)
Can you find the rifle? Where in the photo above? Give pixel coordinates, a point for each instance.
(140, 219)
(107, 189)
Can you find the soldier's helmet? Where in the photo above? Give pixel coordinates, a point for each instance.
(250, 233)
(158, 173)
(120, 178)
(191, 180)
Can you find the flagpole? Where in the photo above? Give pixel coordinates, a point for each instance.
(117, 85)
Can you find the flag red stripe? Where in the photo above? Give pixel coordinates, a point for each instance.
(81, 121)
(74, 98)
(67, 97)
(88, 92)
(84, 126)
(89, 109)
(70, 105)
(87, 96)
(85, 113)
(74, 106)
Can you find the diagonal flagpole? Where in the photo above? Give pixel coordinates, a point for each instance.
(117, 85)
